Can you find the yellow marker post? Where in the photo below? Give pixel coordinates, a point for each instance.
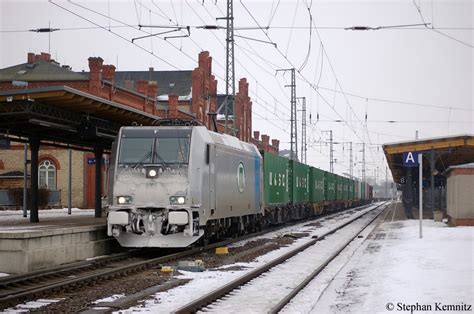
(222, 250)
(166, 269)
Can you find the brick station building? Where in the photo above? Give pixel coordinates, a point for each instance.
(184, 95)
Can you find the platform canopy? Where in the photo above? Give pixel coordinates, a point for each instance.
(63, 115)
(448, 151)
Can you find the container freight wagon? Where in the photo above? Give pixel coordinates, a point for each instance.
(345, 189)
(329, 188)
(351, 192)
(339, 189)
(300, 189)
(316, 186)
(277, 193)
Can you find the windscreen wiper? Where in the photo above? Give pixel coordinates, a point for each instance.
(147, 155)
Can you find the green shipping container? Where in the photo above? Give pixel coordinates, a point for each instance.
(300, 182)
(345, 188)
(351, 189)
(329, 186)
(339, 191)
(275, 177)
(316, 185)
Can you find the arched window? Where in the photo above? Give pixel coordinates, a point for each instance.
(47, 175)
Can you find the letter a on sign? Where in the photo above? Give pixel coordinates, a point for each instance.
(410, 159)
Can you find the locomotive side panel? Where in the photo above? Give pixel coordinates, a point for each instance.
(237, 182)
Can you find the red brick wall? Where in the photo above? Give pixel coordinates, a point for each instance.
(204, 90)
(264, 143)
(204, 95)
(95, 86)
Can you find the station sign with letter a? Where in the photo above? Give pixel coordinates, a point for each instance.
(410, 159)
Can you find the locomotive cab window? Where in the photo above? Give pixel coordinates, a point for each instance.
(158, 148)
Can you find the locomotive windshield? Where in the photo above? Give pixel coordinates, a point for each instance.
(159, 148)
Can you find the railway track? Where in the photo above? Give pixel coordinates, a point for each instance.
(207, 301)
(37, 284)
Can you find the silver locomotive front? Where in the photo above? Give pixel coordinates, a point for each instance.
(150, 202)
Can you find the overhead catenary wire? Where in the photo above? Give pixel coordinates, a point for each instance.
(337, 89)
(116, 34)
(249, 58)
(290, 62)
(418, 8)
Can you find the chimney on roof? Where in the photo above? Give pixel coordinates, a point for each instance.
(95, 75)
(205, 63)
(31, 57)
(276, 144)
(256, 135)
(152, 89)
(265, 142)
(128, 84)
(108, 72)
(95, 64)
(44, 56)
(172, 106)
(142, 87)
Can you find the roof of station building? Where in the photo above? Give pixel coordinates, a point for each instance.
(449, 151)
(64, 115)
(177, 83)
(41, 70)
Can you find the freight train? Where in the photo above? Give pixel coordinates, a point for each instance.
(173, 186)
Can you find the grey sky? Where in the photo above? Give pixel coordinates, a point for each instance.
(409, 65)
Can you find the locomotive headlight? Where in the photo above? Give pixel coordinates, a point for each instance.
(177, 200)
(152, 172)
(122, 200)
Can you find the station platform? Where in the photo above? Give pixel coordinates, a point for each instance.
(57, 239)
(397, 212)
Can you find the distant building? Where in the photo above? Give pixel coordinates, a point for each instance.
(460, 187)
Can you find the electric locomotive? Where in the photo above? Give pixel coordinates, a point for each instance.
(171, 186)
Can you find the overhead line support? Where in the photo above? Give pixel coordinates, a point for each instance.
(294, 129)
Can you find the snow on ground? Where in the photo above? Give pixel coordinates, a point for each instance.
(304, 226)
(4, 274)
(110, 299)
(396, 271)
(263, 293)
(31, 305)
(207, 281)
(17, 215)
